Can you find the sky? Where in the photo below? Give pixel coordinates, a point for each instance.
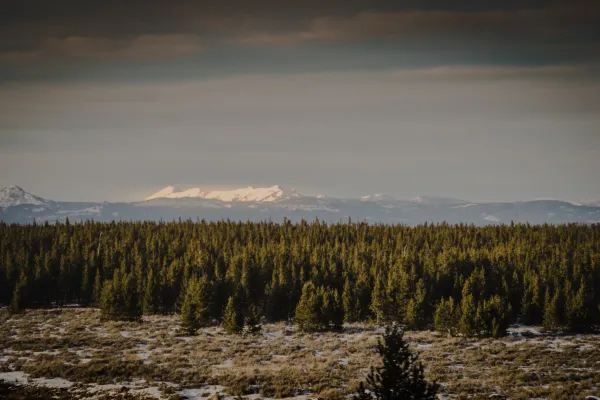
(480, 100)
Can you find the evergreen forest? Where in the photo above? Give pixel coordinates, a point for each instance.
(458, 279)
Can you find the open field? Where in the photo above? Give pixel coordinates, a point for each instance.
(70, 353)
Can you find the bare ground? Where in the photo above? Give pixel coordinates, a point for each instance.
(71, 353)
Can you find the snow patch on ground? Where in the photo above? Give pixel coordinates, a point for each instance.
(21, 378)
(201, 393)
(14, 377)
(57, 383)
(523, 330)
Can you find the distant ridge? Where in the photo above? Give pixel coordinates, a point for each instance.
(274, 203)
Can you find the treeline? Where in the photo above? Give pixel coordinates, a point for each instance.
(458, 279)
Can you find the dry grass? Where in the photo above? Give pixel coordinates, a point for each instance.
(152, 358)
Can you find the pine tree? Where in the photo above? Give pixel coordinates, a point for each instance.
(447, 316)
(194, 309)
(379, 300)
(469, 319)
(252, 325)
(333, 310)
(119, 299)
(415, 309)
(233, 320)
(132, 306)
(349, 303)
(496, 316)
(308, 311)
(151, 294)
(97, 290)
(579, 308)
(552, 310)
(401, 376)
(18, 300)
(531, 310)
(108, 301)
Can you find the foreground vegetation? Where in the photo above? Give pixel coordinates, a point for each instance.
(156, 356)
(458, 279)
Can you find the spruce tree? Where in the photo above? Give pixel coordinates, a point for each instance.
(415, 309)
(18, 299)
(233, 320)
(578, 308)
(194, 308)
(119, 299)
(401, 375)
(252, 325)
(97, 289)
(349, 302)
(308, 311)
(447, 316)
(379, 300)
(151, 294)
(496, 316)
(552, 310)
(332, 310)
(108, 301)
(132, 306)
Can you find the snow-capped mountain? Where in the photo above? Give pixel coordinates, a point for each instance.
(246, 194)
(15, 195)
(277, 204)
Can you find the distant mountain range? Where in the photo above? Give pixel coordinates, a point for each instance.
(276, 204)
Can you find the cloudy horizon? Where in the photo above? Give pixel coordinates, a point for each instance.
(484, 102)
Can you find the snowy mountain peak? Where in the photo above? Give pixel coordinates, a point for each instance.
(15, 195)
(247, 194)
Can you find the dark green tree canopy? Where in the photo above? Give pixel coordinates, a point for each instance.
(494, 276)
(401, 376)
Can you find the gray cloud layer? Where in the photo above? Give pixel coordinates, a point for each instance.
(474, 132)
(476, 99)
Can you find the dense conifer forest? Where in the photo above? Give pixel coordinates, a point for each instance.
(454, 278)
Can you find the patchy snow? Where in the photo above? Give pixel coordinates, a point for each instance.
(585, 347)
(14, 377)
(201, 393)
(21, 378)
(247, 194)
(422, 346)
(56, 383)
(152, 391)
(524, 330)
(138, 387)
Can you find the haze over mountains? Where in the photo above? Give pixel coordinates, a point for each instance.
(276, 204)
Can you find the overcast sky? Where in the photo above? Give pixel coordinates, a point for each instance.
(494, 100)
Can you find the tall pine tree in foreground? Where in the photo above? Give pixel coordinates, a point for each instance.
(400, 377)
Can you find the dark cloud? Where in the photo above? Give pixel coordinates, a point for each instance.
(71, 39)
